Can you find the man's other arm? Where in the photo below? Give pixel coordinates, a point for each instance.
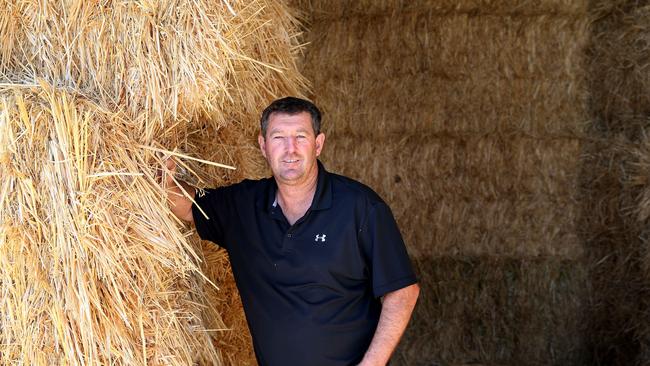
(177, 192)
(396, 310)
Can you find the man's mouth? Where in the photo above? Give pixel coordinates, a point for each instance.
(290, 161)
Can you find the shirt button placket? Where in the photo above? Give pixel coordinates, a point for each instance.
(286, 245)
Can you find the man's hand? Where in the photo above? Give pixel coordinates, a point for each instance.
(179, 193)
(165, 174)
(170, 164)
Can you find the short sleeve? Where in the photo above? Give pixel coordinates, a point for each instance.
(212, 203)
(389, 263)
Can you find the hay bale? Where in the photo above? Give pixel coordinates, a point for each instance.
(468, 118)
(615, 181)
(234, 341)
(454, 44)
(169, 60)
(94, 269)
(615, 247)
(497, 311)
(438, 73)
(320, 9)
(451, 107)
(172, 75)
(448, 204)
(620, 51)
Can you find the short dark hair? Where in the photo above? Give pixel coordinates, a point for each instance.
(291, 105)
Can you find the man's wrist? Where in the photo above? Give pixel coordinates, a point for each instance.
(369, 360)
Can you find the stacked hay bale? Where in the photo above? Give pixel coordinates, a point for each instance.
(616, 181)
(466, 117)
(94, 269)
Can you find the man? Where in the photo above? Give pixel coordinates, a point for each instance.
(320, 265)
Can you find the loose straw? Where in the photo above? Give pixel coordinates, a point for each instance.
(186, 157)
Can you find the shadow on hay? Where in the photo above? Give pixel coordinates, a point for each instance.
(497, 311)
(615, 183)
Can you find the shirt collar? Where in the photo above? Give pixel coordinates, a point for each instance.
(322, 197)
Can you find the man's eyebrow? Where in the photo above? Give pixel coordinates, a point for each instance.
(279, 130)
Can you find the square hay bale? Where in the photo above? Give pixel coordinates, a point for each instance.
(468, 118)
(324, 9)
(437, 105)
(498, 311)
(615, 184)
(508, 195)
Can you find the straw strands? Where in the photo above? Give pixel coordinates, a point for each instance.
(554, 107)
(169, 60)
(95, 269)
(462, 207)
(446, 56)
(479, 311)
(234, 344)
(524, 46)
(324, 9)
(620, 51)
(424, 123)
(614, 231)
(615, 183)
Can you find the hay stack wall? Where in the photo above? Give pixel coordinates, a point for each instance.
(466, 117)
(616, 181)
(94, 268)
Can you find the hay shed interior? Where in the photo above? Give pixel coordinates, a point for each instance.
(508, 137)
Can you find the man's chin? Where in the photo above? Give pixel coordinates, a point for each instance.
(290, 175)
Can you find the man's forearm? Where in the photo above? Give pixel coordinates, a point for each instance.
(396, 311)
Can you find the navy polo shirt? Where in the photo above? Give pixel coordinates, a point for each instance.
(310, 290)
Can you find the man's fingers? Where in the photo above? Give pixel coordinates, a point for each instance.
(170, 163)
(165, 173)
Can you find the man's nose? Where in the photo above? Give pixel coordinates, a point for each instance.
(291, 144)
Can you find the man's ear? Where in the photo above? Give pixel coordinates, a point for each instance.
(320, 142)
(262, 142)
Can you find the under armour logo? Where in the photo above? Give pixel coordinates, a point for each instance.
(320, 237)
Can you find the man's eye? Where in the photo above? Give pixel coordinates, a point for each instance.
(300, 136)
(277, 137)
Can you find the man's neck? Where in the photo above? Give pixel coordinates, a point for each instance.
(295, 199)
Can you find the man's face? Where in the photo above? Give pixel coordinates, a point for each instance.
(291, 148)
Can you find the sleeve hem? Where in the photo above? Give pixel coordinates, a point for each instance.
(199, 222)
(380, 291)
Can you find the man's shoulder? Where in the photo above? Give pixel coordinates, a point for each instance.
(252, 184)
(353, 190)
(246, 187)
